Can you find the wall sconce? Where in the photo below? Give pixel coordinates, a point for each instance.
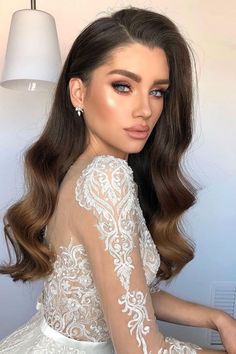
(33, 59)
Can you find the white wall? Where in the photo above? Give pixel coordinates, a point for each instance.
(210, 28)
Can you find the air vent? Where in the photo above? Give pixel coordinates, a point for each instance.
(223, 297)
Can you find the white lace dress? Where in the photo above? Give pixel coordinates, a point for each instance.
(98, 298)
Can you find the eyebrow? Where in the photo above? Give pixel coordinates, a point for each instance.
(136, 77)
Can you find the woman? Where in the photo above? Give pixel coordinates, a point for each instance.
(106, 193)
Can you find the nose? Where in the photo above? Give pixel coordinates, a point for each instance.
(143, 108)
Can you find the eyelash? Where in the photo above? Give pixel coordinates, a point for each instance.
(117, 84)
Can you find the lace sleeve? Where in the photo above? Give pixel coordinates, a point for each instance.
(107, 190)
(108, 226)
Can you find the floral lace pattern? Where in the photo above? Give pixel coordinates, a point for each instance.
(70, 302)
(177, 347)
(107, 188)
(70, 299)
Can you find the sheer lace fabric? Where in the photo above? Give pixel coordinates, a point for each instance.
(71, 300)
(174, 346)
(105, 270)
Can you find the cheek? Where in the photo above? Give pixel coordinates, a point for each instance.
(107, 106)
(105, 103)
(157, 110)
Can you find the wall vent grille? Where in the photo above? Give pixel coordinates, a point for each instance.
(223, 296)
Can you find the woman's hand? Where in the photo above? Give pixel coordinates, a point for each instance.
(226, 326)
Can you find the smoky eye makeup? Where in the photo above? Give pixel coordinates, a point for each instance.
(125, 87)
(122, 87)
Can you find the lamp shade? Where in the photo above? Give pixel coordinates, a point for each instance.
(33, 60)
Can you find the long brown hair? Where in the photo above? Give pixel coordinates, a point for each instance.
(164, 193)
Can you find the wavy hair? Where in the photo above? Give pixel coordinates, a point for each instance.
(165, 192)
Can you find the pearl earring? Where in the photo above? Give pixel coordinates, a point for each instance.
(79, 111)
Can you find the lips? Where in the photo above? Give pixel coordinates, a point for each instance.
(138, 128)
(138, 131)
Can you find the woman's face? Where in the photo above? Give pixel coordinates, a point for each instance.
(125, 93)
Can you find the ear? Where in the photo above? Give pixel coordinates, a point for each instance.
(77, 91)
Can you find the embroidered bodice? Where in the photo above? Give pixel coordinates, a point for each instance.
(102, 282)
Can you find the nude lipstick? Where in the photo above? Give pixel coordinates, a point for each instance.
(138, 131)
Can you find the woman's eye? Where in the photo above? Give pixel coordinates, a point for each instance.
(117, 87)
(159, 93)
(120, 87)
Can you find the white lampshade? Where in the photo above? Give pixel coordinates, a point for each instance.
(33, 60)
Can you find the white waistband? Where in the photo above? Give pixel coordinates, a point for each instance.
(88, 347)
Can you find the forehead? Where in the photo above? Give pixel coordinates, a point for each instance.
(138, 58)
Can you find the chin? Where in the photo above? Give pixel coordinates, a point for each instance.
(135, 151)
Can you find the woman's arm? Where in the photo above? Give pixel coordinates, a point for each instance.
(172, 309)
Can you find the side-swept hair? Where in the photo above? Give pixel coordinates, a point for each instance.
(164, 191)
